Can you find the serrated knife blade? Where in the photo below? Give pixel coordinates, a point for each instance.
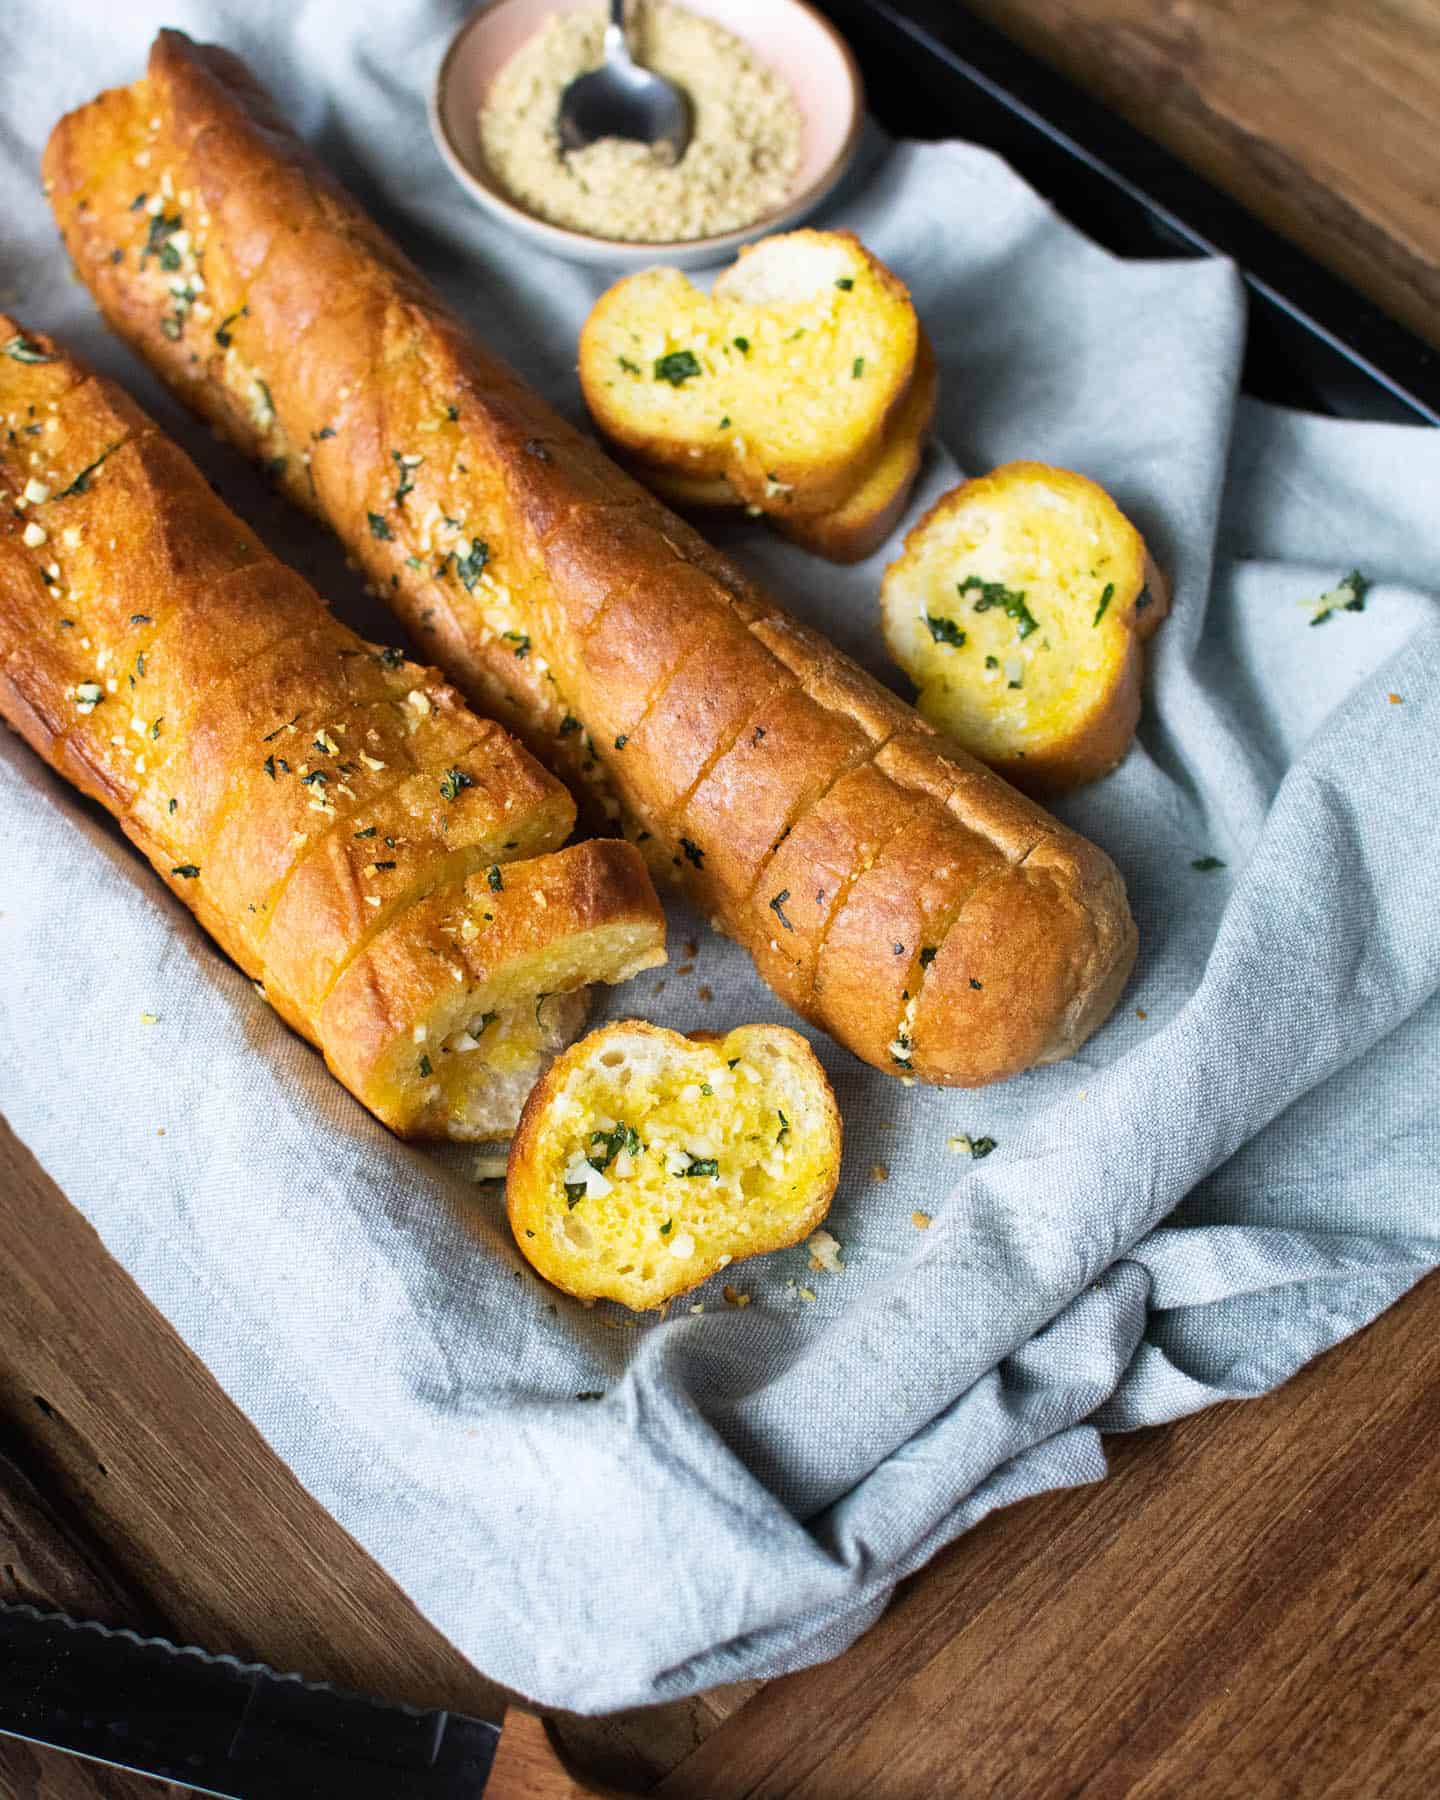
(233, 1729)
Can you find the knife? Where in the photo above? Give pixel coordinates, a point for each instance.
(233, 1729)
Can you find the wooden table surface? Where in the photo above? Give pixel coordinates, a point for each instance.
(1250, 1606)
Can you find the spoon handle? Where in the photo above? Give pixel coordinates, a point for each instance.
(617, 48)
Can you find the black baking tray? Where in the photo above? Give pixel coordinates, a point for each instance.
(932, 70)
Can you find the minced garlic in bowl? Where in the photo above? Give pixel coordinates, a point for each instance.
(740, 164)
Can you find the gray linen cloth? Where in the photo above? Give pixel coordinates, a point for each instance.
(1236, 1172)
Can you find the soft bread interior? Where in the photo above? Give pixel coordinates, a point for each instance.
(647, 1160)
(782, 380)
(1013, 606)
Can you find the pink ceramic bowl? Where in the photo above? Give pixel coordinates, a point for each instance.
(788, 35)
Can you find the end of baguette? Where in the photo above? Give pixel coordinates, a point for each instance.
(645, 1162)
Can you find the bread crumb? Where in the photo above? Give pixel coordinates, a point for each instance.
(1394, 699)
(1140, 1013)
(686, 968)
(659, 987)
(159, 1131)
(824, 1251)
(921, 1221)
(879, 1172)
(807, 1294)
(733, 1296)
(149, 1018)
(692, 948)
(698, 1307)
(704, 993)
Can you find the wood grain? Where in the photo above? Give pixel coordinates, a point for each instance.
(1319, 115)
(177, 1504)
(1248, 1607)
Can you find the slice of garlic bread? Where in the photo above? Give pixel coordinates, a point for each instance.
(644, 1161)
(860, 524)
(783, 380)
(1018, 607)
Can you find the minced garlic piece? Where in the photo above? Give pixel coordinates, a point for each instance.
(741, 161)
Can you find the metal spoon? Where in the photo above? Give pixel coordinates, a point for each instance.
(622, 100)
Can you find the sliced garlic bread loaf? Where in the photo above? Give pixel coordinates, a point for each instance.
(1018, 607)
(783, 381)
(644, 1161)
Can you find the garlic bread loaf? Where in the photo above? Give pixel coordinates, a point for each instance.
(783, 382)
(317, 801)
(1018, 607)
(645, 1161)
(860, 524)
(893, 890)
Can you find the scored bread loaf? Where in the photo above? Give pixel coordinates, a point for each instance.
(1018, 607)
(645, 1161)
(860, 524)
(893, 890)
(317, 801)
(784, 380)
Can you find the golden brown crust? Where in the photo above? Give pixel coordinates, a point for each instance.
(584, 913)
(570, 544)
(302, 791)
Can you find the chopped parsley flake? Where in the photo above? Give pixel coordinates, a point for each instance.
(368, 832)
(621, 1137)
(743, 346)
(693, 852)
(857, 368)
(379, 526)
(82, 482)
(703, 1165)
(1206, 863)
(140, 619)
(521, 641)
(622, 740)
(24, 350)
(453, 783)
(495, 879)
(568, 724)
(630, 368)
(390, 658)
(426, 1071)
(1348, 595)
(186, 871)
(784, 1131)
(995, 593)
(845, 282)
(468, 567)
(777, 906)
(1105, 600)
(928, 955)
(678, 366)
(945, 631)
(381, 867)
(981, 1146)
(665, 1228)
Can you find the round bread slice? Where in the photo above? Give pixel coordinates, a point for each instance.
(1018, 607)
(784, 380)
(644, 1161)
